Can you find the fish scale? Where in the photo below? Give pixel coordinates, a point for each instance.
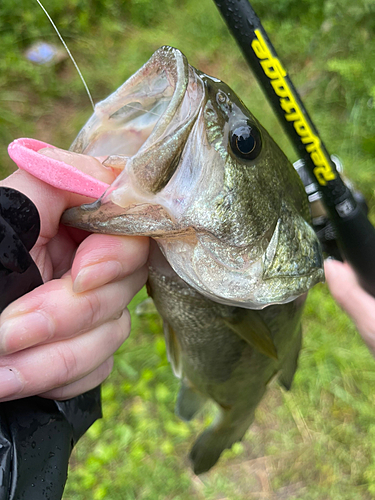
(233, 254)
(218, 364)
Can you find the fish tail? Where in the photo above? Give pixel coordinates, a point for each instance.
(222, 434)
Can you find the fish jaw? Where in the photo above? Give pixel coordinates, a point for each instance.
(143, 219)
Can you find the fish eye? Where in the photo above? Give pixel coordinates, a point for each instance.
(246, 141)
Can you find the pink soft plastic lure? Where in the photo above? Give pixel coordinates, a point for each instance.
(24, 152)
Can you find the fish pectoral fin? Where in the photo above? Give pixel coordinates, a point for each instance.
(189, 401)
(294, 250)
(255, 332)
(173, 349)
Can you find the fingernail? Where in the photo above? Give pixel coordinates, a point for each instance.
(10, 384)
(96, 275)
(25, 330)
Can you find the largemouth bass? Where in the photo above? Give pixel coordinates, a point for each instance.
(233, 254)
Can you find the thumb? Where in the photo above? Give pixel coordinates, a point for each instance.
(346, 290)
(50, 201)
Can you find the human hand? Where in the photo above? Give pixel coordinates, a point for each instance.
(351, 297)
(58, 340)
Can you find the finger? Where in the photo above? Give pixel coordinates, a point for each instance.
(85, 384)
(53, 312)
(51, 202)
(344, 286)
(46, 367)
(58, 253)
(103, 258)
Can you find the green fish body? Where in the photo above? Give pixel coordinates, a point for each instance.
(233, 254)
(215, 350)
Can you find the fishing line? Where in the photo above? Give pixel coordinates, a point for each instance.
(77, 68)
(69, 53)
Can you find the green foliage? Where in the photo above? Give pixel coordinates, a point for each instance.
(311, 12)
(316, 442)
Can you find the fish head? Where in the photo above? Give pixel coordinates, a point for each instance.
(200, 175)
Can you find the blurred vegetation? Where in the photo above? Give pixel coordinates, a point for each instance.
(316, 442)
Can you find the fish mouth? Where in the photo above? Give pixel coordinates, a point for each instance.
(139, 111)
(140, 132)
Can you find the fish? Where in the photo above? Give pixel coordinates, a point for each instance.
(232, 252)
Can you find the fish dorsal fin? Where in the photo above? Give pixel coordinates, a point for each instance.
(173, 349)
(254, 331)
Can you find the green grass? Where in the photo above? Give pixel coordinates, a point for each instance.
(316, 442)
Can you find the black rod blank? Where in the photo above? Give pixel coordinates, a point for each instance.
(355, 232)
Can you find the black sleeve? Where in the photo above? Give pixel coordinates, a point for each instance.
(37, 435)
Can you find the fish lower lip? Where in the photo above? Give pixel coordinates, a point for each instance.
(138, 219)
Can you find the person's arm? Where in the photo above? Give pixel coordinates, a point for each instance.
(58, 340)
(351, 297)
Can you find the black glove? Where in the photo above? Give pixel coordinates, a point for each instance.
(37, 435)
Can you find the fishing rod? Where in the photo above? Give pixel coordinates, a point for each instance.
(355, 232)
